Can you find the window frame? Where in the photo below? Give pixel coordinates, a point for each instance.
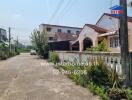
(59, 30)
(68, 31)
(77, 32)
(114, 42)
(48, 29)
(51, 38)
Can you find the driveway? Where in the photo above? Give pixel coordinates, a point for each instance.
(27, 77)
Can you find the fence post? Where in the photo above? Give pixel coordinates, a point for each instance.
(80, 57)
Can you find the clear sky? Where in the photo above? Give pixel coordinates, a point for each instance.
(25, 15)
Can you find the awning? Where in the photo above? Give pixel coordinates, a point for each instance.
(108, 34)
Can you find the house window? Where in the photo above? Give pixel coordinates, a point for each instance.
(114, 42)
(77, 32)
(48, 29)
(59, 30)
(68, 31)
(111, 42)
(51, 38)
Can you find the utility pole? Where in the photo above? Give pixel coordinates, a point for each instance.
(124, 43)
(17, 41)
(9, 39)
(17, 44)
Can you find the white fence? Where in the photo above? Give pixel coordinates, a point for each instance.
(111, 59)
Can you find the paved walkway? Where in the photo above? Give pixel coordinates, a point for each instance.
(26, 77)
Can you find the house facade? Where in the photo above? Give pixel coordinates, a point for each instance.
(58, 33)
(112, 36)
(3, 35)
(106, 29)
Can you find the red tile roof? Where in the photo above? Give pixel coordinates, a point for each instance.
(65, 36)
(97, 28)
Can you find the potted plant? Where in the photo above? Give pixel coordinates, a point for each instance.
(117, 94)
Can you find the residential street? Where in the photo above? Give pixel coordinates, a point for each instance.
(26, 77)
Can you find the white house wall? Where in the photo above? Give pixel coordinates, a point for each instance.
(109, 23)
(90, 33)
(64, 29)
(54, 29)
(87, 32)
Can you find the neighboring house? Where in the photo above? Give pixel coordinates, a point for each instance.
(62, 41)
(112, 24)
(107, 28)
(59, 33)
(3, 35)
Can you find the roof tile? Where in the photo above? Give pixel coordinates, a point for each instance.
(97, 28)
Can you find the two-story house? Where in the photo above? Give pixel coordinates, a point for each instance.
(60, 33)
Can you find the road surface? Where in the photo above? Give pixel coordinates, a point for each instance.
(27, 77)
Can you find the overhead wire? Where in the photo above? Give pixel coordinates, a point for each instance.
(66, 9)
(56, 10)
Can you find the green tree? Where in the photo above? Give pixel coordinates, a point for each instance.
(40, 43)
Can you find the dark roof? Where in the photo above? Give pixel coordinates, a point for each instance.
(129, 18)
(61, 26)
(65, 36)
(97, 28)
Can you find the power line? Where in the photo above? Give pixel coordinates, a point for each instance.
(68, 6)
(65, 7)
(56, 10)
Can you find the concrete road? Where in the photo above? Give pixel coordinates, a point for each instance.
(26, 77)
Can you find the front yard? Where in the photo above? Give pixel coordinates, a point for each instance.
(99, 78)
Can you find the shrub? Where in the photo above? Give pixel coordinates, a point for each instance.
(98, 90)
(99, 74)
(129, 93)
(101, 47)
(3, 51)
(53, 57)
(79, 79)
(3, 55)
(99, 79)
(11, 54)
